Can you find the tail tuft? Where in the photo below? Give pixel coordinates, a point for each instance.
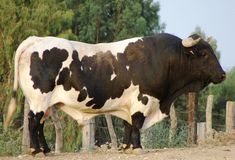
(11, 110)
(13, 94)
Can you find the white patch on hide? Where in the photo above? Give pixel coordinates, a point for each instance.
(113, 76)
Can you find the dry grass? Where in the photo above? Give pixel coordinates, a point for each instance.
(219, 139)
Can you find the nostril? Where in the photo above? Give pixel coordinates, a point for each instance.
(223, 76)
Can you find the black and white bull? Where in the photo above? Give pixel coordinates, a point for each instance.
(135, 79)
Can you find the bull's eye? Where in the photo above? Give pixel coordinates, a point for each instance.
(204, 55)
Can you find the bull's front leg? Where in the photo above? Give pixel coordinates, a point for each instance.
(42, 140)
(132, 134)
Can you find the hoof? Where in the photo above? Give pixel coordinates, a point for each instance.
(124, 146)
(35, 151)
(128, 150)
(40, 155)
(138, 151)
(46, 151)
(50, 154)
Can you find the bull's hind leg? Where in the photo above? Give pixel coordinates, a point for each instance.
(34, 122)
(137, 123)
(37, 138)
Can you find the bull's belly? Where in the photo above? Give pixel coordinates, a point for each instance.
(123, 107)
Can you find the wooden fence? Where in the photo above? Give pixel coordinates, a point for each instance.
(205, 130)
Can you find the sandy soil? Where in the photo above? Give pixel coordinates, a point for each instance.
(195, 153)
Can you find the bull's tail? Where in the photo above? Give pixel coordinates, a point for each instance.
(12, 105)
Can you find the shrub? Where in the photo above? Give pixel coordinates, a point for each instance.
(158, 136)
(10, 141)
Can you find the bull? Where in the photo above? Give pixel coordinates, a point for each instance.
(135, 79)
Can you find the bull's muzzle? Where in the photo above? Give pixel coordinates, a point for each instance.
(219, 78)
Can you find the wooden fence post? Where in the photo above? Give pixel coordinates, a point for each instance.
(173, 126)
(201, 132)
(25, 138)
(209, 106)
(230, 117)
(58, 130)
(191, 117)
(112, 133)
(88, 135)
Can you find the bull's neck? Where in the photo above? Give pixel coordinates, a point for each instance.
(180, 81)
(180, 73)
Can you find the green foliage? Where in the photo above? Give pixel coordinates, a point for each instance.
(105, 20)
(222, 93)
(158, 135)
(72, 134)
(101, 130)
(10, 141)
(225, 89)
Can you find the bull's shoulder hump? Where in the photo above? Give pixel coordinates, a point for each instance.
(118, 46)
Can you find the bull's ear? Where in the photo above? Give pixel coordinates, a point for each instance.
(194, 36)
(191, 41)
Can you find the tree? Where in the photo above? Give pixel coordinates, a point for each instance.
(105, 21)
(20, 19)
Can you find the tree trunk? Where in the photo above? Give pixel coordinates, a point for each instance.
(25, 138)
(111, 131)
(58, 130)
(192, 101)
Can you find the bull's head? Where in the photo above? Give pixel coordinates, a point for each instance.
(204, 64)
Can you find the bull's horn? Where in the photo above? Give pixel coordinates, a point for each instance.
(190, 42)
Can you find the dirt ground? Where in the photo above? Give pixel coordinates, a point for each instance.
(193, 153)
